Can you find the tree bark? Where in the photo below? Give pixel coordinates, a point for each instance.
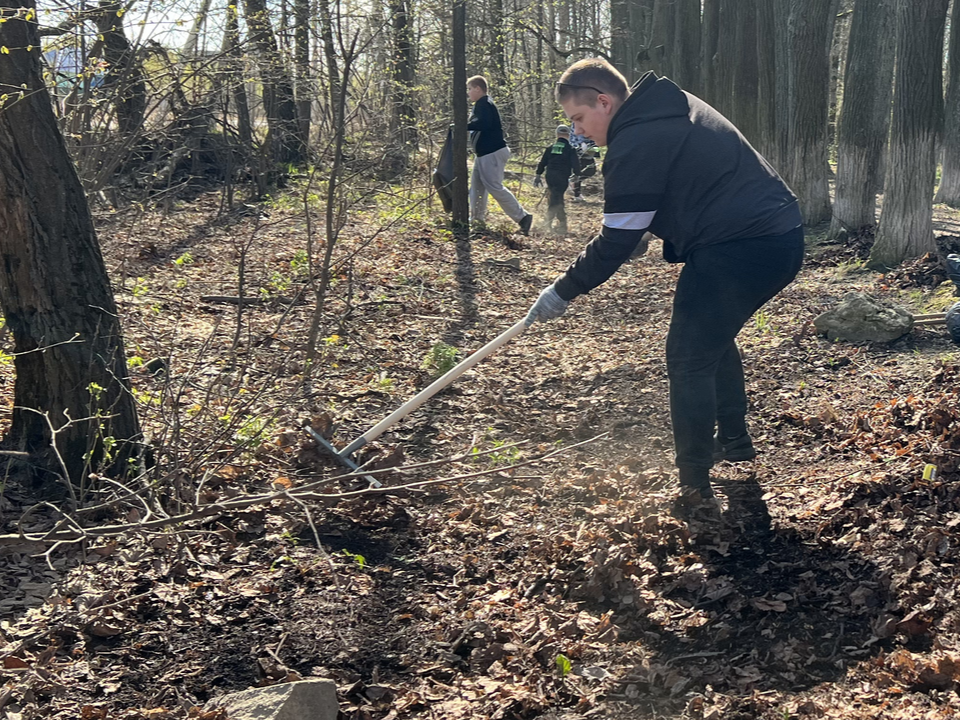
(279, 104)
(767, 82)
(461, 204)
(630, 22)
(501, 77)
(746, 74)
(710, 37)
(810, 30)
(725, 59)
(304, 89)
(54, 290)
(686, 58)
(864, 117)
(330, 54)
(906, 220)
(404, 74)
(125, 73)
(949, 190)
(660, 47)
(233, 62)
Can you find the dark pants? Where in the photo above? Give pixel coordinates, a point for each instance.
(719, 288)
(555, 209)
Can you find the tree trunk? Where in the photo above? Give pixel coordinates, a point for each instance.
(630, 35)
(461, 204)
(279, 105)
(746, 74)
(709, 43)
(330, 54)
(810, 31)
(785, 98)
(502, 91)
(949, 190)
(724, 61)
(767, 82)
(125, 73)
(686, 58)
(404, 74)
(864, 116)
(660, 48)
(305, 88)
(233, 61)
(70, 363)
(906, 220)
(190, 44)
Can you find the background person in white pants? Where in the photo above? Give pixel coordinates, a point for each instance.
(492, 153)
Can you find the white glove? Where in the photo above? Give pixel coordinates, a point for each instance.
(547, 307)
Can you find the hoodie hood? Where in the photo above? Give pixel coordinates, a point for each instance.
(651, 98)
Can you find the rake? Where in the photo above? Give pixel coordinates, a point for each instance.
(343, 456)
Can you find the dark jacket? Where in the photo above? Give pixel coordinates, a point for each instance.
(677, 167)
(485, 122)
(560, 161)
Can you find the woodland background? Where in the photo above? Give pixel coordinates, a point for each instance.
(217, 225)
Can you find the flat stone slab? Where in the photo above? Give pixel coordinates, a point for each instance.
(301, 700)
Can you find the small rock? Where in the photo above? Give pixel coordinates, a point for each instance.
(859, 317)
(304, 700)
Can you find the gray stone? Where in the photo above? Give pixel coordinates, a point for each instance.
(860, 317)
(302, 700)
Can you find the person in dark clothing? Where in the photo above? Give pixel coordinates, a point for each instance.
(560, 161)
(589, 154)
(678, 168)
(492, 153)
(588, 168)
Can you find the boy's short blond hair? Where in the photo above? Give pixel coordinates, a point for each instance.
(477, 81)
(587, 78)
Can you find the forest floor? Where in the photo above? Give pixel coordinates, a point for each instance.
(562, 588)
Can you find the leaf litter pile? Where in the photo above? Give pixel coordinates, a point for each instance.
(537, 570)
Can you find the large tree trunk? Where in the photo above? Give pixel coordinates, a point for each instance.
(305, 88)
(234, 75)
(725, 59)
(660, 49)
(949, 190)
(70, 363)
(767, 82)
(864, 116)
(461, 204)
(125, 73)
(630, 22)
(709, 44)
(906, 220)
(404, 74)
(686, 58)
(746, 74)
(807, 170)
(279, 104)
(501, 83)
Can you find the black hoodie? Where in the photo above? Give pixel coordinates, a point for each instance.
(485, 122)
(677, 167)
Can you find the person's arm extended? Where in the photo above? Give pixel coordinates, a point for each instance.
(543, 162)
(600, 259)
